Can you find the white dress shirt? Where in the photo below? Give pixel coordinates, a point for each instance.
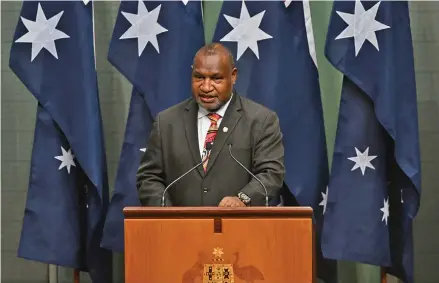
(204, 123)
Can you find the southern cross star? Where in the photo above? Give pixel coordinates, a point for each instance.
(361, 26)
(66, 159)
(42, 33)
(324, 201)
(385, 210)
(246, 31)
(362, 160)
(144, 27)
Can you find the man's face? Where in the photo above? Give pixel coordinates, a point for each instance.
(212, 80)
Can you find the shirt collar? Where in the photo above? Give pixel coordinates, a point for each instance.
(203, 112)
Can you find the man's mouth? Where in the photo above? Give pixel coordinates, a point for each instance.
(207, 98)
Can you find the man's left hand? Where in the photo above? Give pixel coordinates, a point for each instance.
(231, 202)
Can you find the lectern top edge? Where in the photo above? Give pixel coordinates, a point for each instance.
(202, 212)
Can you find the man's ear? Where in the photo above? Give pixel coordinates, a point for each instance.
(234, 75)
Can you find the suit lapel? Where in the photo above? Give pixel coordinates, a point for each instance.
(229, 121)
(191, 129)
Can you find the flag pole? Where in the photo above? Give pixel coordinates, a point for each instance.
(383, 276)
(76, 275)
(53, 273)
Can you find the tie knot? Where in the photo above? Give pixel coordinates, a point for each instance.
(214, 117)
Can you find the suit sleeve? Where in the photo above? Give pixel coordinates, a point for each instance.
(268, 162)
(150, 175)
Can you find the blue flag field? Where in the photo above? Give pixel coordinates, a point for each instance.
(375, 186)
(276, 63)
(53, 56)
(159, 67)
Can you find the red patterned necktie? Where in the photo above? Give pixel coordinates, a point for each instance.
(210, 137)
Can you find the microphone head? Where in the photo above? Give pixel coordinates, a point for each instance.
(208, 146)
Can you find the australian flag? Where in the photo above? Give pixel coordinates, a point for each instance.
(53, 55)
(153, 45)
(375, 186)
(275, 57)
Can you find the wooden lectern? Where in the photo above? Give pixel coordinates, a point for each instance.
(219, 245)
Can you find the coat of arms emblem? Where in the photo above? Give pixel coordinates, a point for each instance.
(218, 271)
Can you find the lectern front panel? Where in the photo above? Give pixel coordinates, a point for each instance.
(219, 250)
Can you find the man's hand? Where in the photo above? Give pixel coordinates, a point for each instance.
(231, 202)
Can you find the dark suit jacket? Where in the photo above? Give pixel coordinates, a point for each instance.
(253, 131)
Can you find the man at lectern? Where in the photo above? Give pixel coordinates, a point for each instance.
(198, 148)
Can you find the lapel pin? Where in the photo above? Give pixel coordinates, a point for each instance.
(225, 129)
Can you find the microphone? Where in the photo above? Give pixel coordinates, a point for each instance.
(208, 148)
(248, 171)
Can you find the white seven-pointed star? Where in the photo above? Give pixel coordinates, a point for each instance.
(246, 31)
(143, 149)
(66, 159)
(42, 33)
(385, 210)
(144, 27)
(362, 160)
(361, 26)
(324, 201)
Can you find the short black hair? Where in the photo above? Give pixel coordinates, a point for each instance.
(213, 49)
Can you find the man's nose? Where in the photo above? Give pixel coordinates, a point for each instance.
(206, 86)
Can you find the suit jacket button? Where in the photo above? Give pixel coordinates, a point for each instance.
(205, 190)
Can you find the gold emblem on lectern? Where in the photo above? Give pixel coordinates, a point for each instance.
(218, 272)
